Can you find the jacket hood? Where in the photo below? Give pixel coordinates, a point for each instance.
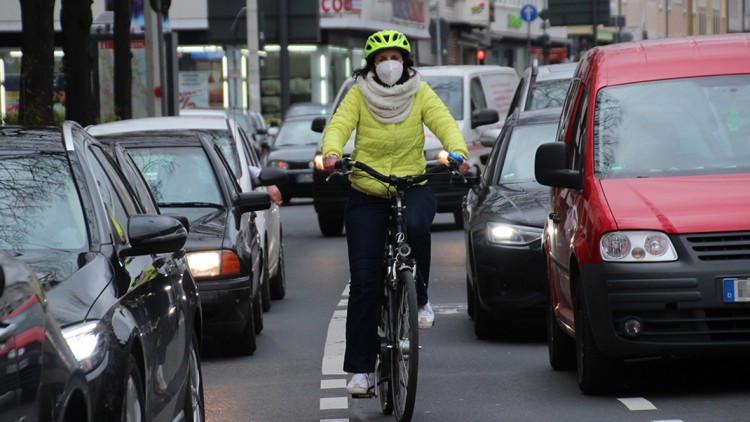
(694, 204)
(519, 203)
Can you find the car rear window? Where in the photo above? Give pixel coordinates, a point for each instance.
(547, 94)
(296, 133)
(690, 126)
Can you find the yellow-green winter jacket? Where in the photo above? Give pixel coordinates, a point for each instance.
(391, 148)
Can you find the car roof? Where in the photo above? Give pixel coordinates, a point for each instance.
(545, 115)
(159, 123)
(464, 69)
(17, 138)
(553, 72)
(667, 58)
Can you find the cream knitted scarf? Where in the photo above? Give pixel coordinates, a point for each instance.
(389, 104)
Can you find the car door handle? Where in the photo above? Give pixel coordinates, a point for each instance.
(553, 216)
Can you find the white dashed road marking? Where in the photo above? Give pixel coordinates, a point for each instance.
(637, 403)
(333, 360)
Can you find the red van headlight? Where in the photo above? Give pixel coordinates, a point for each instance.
(637, 246)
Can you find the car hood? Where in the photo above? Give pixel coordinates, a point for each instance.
(694, 204)
(72, 281)
(208, 230)
(302, 153)
(518, 203)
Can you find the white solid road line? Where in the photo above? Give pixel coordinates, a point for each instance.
(333, 359)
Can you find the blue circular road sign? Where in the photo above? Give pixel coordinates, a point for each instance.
(528, 13)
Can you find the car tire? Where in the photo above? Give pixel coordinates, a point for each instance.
(597, 373)
(331, 223)
(194, 409)
(245, 343)
(258, 311)
(265, 287)
(469, 298)
(134, 400)
(484, 322)
(278, 281)
(561, 347)
(458, 217)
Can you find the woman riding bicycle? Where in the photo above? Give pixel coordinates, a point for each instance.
(388, 107)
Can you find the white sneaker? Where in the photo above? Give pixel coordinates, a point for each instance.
(426, 317)
(360, 384)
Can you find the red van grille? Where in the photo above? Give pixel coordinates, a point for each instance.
(720, 246)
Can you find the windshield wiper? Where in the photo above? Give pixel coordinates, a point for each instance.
(190, 205)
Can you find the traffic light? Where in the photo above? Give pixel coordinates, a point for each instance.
(480, 56)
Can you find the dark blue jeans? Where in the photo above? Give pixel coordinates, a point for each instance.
(366, 223)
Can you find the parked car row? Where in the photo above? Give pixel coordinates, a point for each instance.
(617, 208)
(123, 247)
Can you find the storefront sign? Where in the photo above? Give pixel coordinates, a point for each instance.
(475, 11)
(107, 83)
(410, 11)
(336, 7)
(515, 21)
(194, 89)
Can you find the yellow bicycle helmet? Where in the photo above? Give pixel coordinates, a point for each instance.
(386, 39)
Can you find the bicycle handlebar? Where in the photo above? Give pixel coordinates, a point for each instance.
(347, 165)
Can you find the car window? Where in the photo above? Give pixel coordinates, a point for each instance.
(139, 184)
(223, 139)
(178, 175)
(477, 99)
(39, 204)
(118, 203)
(252, 156)
(547, 94)
(296, 133)
(689, 126)
(451, 90)
(520, 150)
(492, 161)
(517, 95)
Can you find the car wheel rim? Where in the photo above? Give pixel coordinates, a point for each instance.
(195, 386)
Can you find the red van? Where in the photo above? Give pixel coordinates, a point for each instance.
(647, 241)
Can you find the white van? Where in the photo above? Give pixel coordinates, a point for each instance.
(476, 95)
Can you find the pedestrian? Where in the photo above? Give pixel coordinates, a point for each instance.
(388, 107)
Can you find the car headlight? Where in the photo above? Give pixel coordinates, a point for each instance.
(208, 264)
(637, 246)
(278, 163)
(512, 235)
(88, 342)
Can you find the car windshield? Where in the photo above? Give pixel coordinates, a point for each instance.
(300, 109)
(547, 94)
(296, 133)
(178, 176)
(39, 204)
(450, 90)
(518, 165)
(691, 126)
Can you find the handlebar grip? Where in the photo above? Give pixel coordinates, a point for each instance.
(459, 159)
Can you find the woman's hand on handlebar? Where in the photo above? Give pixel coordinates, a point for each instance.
(329, 163)
(463, 168)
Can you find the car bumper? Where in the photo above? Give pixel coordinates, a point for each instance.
(225, 305)
(511, 280)
(449, 191)
(680, 306)
(300, 184)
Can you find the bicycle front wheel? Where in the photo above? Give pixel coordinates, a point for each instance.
(405, 353)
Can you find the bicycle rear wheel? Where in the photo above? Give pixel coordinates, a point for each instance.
(405, 352)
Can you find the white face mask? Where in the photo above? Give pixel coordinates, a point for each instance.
(389, 71)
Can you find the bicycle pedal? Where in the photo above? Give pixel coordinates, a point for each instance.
(368, 395)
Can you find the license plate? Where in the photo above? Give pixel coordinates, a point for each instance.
(304, 178)
(737, 290)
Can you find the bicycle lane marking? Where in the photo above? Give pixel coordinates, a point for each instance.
(333, 362)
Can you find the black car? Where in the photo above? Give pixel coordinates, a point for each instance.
(188, 176)
(293, 150)
(40, 378)
(504, 215)
(115, 277)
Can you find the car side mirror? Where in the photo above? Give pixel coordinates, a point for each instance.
(182, 219)
(551, 169)
(261, 131)
(154, 234)
(318, 124)
(272, 176)
(485, 116)
(484, 158)
(252, 201)
(473, 177)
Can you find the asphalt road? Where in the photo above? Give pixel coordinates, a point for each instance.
(295, 374)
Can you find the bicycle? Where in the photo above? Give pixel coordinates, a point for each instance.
(398, 358)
